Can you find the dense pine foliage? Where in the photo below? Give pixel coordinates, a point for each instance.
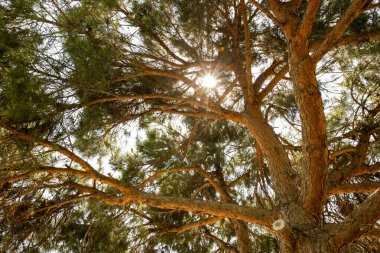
(109, 142)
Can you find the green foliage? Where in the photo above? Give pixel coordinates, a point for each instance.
(61, 64)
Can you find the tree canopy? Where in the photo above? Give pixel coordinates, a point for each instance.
(111, 141)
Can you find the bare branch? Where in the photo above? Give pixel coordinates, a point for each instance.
(353, 11)
(85, 165)
(266, 12)
(367, 169)
(277, 78)
(167, 49)
(359, 222)
(341, 152)
(308, 18)
(266, 73)
(248, 61)
(350, 188)
(194, 225)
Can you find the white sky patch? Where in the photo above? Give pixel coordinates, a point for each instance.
(208, 81)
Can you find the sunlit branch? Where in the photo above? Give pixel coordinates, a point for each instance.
(359, 222)
(153, 96)
(248, 61)
(308, 18)
(266, 74)
(266, 12)
(48, 170)
(353, 11)
(227, 91)
(194, 225)
(341, 152)
(66, 171)
(351, 188)
(198, 170)
(106, 198)
(348, 39)
(276, 79)
(50, 145)
(366, 169)
(223, 245)
(167, 49)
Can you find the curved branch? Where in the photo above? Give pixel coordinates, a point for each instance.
(367, 169)
(266, 12)
(64, 151)
(262, 217)
(277, 78)
(266, 74)
(352, 12)
(195, 169)
(154, 96)
(350, 188)
(279, 164)
(341, 152)
(193, 225)
(359, 222)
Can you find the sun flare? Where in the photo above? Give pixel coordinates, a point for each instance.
(208, 81)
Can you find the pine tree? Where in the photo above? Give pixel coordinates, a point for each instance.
(111, 142)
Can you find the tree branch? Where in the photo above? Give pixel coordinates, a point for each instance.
(225, 246)
(85, 165)
(193, 225)
(359, 222)
(248, 61)
(367, 169)
(155, 96)
(352, 12)
(277, 78)
(227, 91)
(341, 152)
(350, 188)
(280, 168)
(372, 6)
(167, 49)
(308, 18)
(262, 217)
(195, 169)
(266, 74)
(266, 12)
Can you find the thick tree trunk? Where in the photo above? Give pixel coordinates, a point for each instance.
(314, 129)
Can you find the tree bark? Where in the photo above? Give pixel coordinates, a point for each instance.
(244, 243)
(279, 164)
(314, 128)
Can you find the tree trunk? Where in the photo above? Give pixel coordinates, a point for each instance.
(314, 128)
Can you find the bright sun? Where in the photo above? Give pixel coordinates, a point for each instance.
(208, 81)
